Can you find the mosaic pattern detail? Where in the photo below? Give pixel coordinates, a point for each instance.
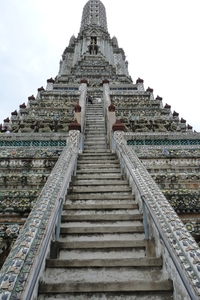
(183, 244)
(16, 270)
(28, 153)
(166, 152)
(48, 143)
(163, 142)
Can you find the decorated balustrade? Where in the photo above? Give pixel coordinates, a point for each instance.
(20, 272)
(180, 252)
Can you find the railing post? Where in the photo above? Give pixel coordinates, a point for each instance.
(75, 166)
(113, 142)
(59, 220)
(145, 222)
(121, 164)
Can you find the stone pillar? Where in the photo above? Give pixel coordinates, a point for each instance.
(118, 126)
(74, 126)
(77, 113)
(140, 85)
(150, 91)
(111, 122)
(50, 83)
(82, 99)
(106, 103)
(41, 89)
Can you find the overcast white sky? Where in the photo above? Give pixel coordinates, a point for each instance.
(160, 39)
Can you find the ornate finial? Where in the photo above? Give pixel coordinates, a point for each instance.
(50, 80)
(175, 114)
(118, 126)
(40, 89)
(74, 126)
(149, 90)
(31, 97)
(139, 80)
(84, 80)
(77, 108)
(111, 107)
(159, 98)
(22, 105)
(183, 120)
(167, 106)
(7, 120)
(14, 113)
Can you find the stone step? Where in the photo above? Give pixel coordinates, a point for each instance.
(97, 154)
(62, 250)
(100, 237)
(99, 189)
(155, 295)
(96, 159)
(98, 171)
(123, 244)
(93, 182)
(93, 156)
(101, 228)
(94, 126)
(101, 196)
(95, 147)
(100, 217)
(100, 263)
(101, 165)
(107, 176)
(87, 206)
(94, 144)
(94, 120)
(97, 151)
(94, 140)
(91, 162)
(94, 132)
(94, 123)
(110, 279)
(95, 115)
(94, 137)
(100, 254)
(90, 125)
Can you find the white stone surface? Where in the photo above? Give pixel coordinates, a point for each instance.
(104, 237)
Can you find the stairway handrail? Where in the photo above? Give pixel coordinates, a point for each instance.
(124, 159)
(44, 217)
(54, 221)
(82, 139)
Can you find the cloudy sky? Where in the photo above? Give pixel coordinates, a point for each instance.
(160, 40)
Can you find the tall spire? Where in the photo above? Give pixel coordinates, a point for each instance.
(94, 13)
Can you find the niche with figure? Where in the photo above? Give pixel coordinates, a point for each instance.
(93, 48)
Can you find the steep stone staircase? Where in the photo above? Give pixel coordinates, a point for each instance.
(102, 252)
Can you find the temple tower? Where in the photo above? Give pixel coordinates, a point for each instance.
(39, 142)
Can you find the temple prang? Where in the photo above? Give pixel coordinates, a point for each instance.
(154, 145)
